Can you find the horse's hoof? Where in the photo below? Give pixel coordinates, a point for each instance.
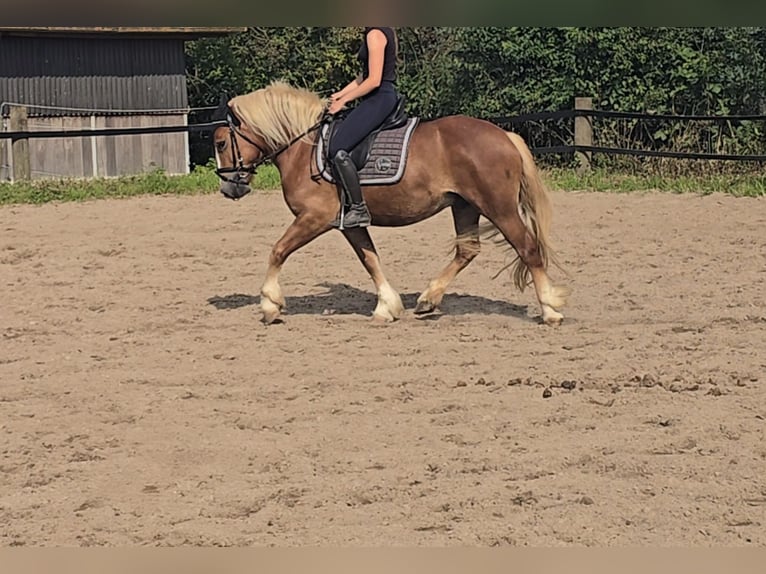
(424, 307)
(270, 311)
(553, 321)
(383, 319)
(271, 317)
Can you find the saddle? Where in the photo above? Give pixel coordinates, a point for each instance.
(380, 158)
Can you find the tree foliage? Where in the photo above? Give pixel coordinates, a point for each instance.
(487, 72)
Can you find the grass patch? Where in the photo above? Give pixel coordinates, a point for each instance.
(739, 185)
(201, 180)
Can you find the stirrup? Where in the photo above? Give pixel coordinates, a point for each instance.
(339, 217)
(357, 216)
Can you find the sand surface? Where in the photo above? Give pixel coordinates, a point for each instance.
(143, 403)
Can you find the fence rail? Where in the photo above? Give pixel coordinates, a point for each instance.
(646, 153)
(139, 131)
(583, 142)
(574, 113)
(583, 147)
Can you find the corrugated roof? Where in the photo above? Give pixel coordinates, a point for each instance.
(57, 75)
(123, 30)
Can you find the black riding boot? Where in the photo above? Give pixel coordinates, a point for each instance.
(347, 175)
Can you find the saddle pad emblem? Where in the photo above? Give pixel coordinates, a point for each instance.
(387, 160)
(383, 164)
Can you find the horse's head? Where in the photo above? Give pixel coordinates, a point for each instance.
(257, 128)
(238, 152)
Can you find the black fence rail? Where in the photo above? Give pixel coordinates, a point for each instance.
(139, 131)
(582, 147)
(584, 142)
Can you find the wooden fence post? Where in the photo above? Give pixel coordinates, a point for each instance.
(583, 133)
(22, 170)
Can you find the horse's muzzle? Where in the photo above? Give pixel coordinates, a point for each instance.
(235, 190)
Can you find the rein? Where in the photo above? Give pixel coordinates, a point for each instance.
(240, 167)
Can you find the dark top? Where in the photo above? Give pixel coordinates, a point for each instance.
(389, 59)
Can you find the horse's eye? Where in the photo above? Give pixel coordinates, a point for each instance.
(220, 145)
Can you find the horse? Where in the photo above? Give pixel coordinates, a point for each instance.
(467, 164)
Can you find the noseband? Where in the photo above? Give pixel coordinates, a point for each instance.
(239, 168)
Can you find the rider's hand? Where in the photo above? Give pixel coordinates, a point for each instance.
(336, 105)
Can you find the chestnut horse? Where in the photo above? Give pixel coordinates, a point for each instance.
(469, 165)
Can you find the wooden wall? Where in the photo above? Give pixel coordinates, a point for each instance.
(104, 156)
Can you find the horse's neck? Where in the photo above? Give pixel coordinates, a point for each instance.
(290, 159)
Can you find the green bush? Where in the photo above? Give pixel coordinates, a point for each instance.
(492, 71)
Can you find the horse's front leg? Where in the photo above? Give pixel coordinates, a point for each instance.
(300, 232)
(389, 307)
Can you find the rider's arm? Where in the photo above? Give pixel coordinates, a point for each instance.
(376, 46)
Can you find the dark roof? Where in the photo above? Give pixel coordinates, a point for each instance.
(184, 32)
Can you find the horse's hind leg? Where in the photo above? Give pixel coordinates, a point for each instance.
(389, 307)
(550, 297)
(467, 246)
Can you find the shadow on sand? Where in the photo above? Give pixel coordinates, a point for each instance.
(342, 299)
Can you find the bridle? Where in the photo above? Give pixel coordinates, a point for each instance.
(239, 168)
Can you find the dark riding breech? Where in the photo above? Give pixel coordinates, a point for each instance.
(365, 117)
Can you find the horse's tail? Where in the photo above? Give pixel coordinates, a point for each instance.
(535, 211)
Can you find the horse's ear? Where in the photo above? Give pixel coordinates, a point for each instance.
(231, 117)
(223, 111)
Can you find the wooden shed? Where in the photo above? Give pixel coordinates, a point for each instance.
(97, 77)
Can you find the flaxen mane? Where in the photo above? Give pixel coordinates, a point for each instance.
(279, 112)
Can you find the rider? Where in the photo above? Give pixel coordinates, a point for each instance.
(376, 88)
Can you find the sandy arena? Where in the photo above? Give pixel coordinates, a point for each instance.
(143, 403)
